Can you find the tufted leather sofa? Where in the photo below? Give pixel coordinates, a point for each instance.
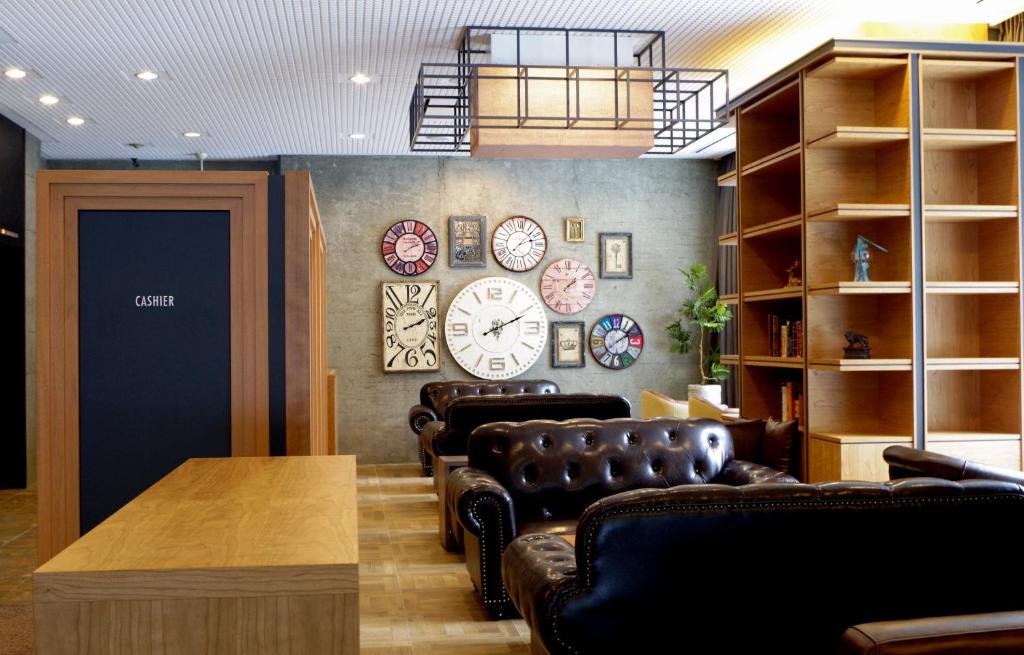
(435, 396)
(462, 415)
(772, 568)
(907, 462)
(539, 476)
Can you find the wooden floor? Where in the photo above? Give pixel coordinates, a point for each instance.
(413, 596)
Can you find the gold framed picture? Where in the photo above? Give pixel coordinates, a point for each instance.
(574, 229)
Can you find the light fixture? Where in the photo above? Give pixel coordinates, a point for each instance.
(146, 75)
(357, 135)
(48, 99)
(360, 78)
(558, 93)
(15, 73)
(192, 135)
(76, 120)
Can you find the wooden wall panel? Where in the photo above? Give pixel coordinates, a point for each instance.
(60, 196)
(305, 299)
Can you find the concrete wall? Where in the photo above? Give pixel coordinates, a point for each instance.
(668, 205)
(33, 162)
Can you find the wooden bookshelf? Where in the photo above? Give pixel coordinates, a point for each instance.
(827, 155)
(727, 179)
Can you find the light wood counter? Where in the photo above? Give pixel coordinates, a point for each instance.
(239, 555)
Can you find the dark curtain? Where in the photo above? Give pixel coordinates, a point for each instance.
(727, 272)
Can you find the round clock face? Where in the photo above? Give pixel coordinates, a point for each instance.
(519, 243)
(616, 341)
(409, 247)
(567, 286)
(496, 328)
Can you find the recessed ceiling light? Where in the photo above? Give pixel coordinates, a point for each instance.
(149, 76)
(15, 73)
(75, 120)
(357, 135)
(48, 99)
(360, 78)
(192, 135)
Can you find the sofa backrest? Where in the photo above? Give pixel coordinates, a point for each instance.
(554, 470)
(772, 443)
(438, 394)
(787, 567)
(905, 462)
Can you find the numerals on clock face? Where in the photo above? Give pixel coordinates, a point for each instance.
(616, 341)
(410, 326)
(495, 328)
(519, 243)
(409, 247)
(567, 286)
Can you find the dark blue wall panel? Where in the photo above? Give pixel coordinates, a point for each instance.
(155, 382)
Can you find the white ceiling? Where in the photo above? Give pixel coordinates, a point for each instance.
(266, 77)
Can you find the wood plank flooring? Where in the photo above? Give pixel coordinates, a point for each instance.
(414, 598)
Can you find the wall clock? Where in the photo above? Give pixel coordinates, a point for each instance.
(409, 311)
(567, 286)
(519, 243)
(495, 328)
(409, 247)
(616, 341)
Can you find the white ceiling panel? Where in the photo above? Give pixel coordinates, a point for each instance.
(264, 77)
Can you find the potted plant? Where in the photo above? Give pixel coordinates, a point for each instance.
(701, 315)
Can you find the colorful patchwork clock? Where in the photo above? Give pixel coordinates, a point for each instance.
(519, 243)
(616, 341)
(409, 247)
(567, 286)
(496, 328)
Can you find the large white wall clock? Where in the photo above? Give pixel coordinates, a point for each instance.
(495, 328)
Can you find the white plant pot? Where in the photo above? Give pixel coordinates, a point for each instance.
(709, 393)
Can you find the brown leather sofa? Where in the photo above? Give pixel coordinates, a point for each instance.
(907, 462)
(462, 415)
(775, 568)
(775, 444)
(539, 476)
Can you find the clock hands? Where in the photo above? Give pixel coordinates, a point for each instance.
(569, 285)
(412, 325)
(521, 244)
(497, 328)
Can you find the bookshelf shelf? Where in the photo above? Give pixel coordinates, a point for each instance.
(730, 298)
(727, 179)
(774, 362)
(972, 436)
(784, 293)
(859, 288)
(860, 211)
(949, 70)
(857, 68)
(972, 363)
(774, 227)
(729, 239)
(971, 288)
(850, 136)
(843, 437)
(785, 159)
(729, 360)
(861, 365)
(935, 213)
(938, 138)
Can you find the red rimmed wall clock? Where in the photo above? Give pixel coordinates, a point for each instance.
(409, 247)
(519, 243)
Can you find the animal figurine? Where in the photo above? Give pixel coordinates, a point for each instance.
(861, 256)
(794, 274)
(858, 348)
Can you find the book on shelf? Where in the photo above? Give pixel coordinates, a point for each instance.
(787, 337)
(792, 400)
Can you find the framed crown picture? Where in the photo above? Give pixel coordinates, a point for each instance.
(616, 255)
(568, 349)
(466, 241)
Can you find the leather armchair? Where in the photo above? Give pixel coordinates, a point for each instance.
(435, 396)
(713, 568)
(997, 633)
(462, 415)
(539, 476)
(907, 462)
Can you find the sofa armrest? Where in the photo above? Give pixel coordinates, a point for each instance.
(419, 416)
(739, 472)
(987, 634)
(539, 571)
(480, 503)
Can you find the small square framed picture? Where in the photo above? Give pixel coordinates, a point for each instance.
(574, 229)
(568, 344)
(616, 255)
(466, 236)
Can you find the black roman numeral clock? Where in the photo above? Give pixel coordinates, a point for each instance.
(409, 311)
(519, 244)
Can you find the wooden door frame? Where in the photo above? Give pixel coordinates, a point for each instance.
(60, 196)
